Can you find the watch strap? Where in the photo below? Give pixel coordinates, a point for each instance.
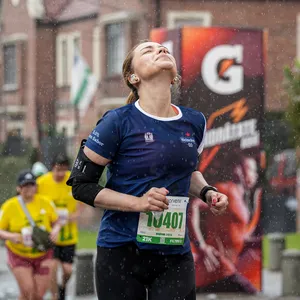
(205, 190)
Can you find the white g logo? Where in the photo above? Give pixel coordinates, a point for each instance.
(221, 69)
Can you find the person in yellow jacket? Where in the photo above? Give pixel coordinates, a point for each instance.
(53, 185)
(30, 267)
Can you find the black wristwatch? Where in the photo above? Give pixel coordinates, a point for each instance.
(205, 190)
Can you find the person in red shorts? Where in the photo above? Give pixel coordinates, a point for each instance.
(30, 267)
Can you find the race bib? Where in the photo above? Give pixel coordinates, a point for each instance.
(165, 228)
(63, 215)
(27, 236)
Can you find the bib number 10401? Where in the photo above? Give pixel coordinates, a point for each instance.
(166, 227)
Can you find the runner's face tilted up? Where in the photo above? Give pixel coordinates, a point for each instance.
(150, 59)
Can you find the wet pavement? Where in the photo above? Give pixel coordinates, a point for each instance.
(271, 287)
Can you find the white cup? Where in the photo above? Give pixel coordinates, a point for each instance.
(27, 236)
(63, 215)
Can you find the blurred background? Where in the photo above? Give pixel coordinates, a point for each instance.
(49, 48)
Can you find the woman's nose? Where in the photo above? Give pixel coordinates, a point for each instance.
(162, 50)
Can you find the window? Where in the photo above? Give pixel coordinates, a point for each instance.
(10, 65)
(117, 28)
(74, 48)
(115, 48)
(186, 22)
(298, 37)
(66, 47)
(193, 18)
(76, 43)
(96, 53)
(64, 62)
(1, 11)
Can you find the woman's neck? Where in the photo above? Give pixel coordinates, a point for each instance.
(27, 199)
(155, 99)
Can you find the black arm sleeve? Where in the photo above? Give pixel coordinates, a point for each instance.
(84, 178)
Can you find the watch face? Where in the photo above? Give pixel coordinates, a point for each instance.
(15, 2)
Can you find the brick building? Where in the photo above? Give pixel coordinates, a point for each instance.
(39, 38)
(35, 35)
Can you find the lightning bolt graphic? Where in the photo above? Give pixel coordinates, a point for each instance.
(239, 109)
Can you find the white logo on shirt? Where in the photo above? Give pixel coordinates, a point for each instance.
(149, 137)
(190, 141)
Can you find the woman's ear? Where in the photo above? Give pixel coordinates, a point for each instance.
(133, 79)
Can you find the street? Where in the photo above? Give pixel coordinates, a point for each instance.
(271, 287)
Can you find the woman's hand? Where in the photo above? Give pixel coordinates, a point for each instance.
(210, 257)
(154, 200)
(15, 238)
(218, 202)
(55, 231)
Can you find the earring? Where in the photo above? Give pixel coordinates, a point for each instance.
(175, 80)
(133, 78)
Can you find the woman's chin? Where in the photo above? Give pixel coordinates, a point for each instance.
(168, 69)
(165, 64)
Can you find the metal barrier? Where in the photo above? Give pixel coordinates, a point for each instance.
(84, 282)
(276, 246)
(291, 272)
